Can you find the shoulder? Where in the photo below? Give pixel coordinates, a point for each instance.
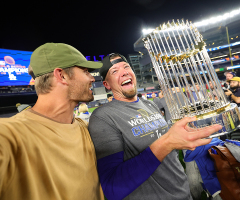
(12, 128)
(81, 122)
(237, 92)
(14, 120)
(153, 103)
(145, 101)
(156, 100)
(159, 101)
(107, 108)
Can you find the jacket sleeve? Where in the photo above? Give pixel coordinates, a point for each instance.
(206, 165)
(119, 178)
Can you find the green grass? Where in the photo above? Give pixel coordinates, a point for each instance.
(92, 109)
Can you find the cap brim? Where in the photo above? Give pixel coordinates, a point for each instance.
(225, 73)
(234, 79)
(91, 65)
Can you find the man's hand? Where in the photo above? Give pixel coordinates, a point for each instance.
(181, 136)
(228, 92)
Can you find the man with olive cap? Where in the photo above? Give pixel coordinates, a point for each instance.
(135, 151)
(45, 152)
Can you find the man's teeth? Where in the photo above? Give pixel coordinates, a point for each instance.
(91, 88)
(127, 81)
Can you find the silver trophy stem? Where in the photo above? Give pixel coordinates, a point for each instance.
(200, 81)
(193, 66)
(161, 79)
(176, 78)
(217, 84)
(169, 95)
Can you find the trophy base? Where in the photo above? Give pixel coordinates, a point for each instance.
(228, 118)
(217, 135)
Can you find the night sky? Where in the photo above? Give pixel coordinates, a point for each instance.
(96, 27)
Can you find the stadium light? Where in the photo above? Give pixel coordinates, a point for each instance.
(233, 67)
(147, 31)
(205, 22)
(219, 18)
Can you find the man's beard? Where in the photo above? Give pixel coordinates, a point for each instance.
(130, 94)
(77, 96)
(86, 100)
(234, 87)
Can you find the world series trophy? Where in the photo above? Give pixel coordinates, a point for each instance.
(183, 67)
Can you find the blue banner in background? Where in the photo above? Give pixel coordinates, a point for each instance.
(14, 67)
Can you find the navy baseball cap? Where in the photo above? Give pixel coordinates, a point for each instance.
(233, 73)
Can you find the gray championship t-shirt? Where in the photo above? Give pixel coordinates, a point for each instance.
(131, 127)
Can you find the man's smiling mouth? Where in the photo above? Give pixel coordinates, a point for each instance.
(126, 82)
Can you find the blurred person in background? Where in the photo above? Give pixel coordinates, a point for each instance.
(145, 96)
(229, 76)
(213, 88)
(162, 104)
(83, 112)
(21, 107)
(233, 93)
(109, 97)
(153, 95)
(199, 92)
(139, 95)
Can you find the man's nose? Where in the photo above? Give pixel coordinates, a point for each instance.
(125, 73)
(92, 78)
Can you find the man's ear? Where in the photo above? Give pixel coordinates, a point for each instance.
(106, 85)
(60, 75)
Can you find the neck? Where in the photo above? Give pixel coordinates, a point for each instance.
(123, 98)
(55, 107)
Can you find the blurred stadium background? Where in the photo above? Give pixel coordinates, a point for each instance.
(221, 35)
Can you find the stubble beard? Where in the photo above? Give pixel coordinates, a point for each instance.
(83, 98)
(77, 96)
(130, 94)
(91, 98)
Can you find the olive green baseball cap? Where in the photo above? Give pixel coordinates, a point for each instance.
(49, 56)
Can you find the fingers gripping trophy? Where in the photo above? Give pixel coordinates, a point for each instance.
(182, 64)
